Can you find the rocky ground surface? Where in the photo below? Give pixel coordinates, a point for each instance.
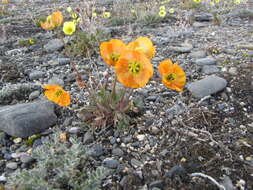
(208, 128)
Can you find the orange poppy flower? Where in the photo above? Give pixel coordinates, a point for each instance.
(57, 18)
(134, 69)
(48, 24)
(173, 76)
(111, 51)
(57, 95)
(143, 44)
(54, 20)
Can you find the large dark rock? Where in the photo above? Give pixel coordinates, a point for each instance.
(24, 120)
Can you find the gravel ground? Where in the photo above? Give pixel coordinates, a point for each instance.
(206, 129)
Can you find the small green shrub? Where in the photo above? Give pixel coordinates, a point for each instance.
(60, 165)
(84, 43)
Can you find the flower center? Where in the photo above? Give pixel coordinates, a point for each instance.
(58, 93)
(170, 77)
(114, 57)
(134, 67)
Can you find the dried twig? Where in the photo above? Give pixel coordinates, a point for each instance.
(208, 177)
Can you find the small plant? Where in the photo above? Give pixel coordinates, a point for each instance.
(27, 42)
(84, 43)
(60, 165)
(151, 19)
(110, 106)
(4, 8)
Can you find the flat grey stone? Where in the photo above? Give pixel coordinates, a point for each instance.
(200, 24)
(35, 75)
(207, 86)
(183, 49)
(135, 163)
(35, 94)
(56, 80)
(96, 151)
(25, 158)
(205, 61)
(12, 165)
(88, 138)
(117, 152)
(207, 69)
(110, 163)
(63, 61)
(197, 54)
(24, 120)
(74, 130)
(54, 45)
(3, 179)
(204, 17)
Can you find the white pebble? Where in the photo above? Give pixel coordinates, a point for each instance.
(140, 137)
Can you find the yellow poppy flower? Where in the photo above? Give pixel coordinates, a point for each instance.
(107, 15)
(237, 2)
(162, 13)
(73, 15)
(143, 44)
(173, 76)
(197, 1)
(162, 8)
(69, 9)
(133, 69)
(69, 28)
(57, 95)
(171, 11)
(94, 15)
(111, 51)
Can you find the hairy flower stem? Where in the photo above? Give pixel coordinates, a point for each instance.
(126, 106)
(114, 87)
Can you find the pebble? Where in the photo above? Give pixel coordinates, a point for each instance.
(56, 80)
(74, 130)
(113, 140)
(37, 143)
(135, 163)
(155, 130)
(35, 94)
(3, 179)
(205, 61)
(204, 17)
(157, 184)
(233, 71)
(207, 69)
(117, 152)
(176, 170)
(12, 165)
(207, 86)
(110, 163)
(54, 45)
(25, 158)
(183, 49)
(17, 140)
(140, 137)
(61, 61)
(88, 138)
(96, 151)
(127, 139)
(35, 75)
(198, 54)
